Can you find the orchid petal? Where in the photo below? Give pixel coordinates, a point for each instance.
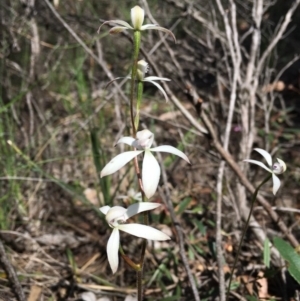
(172, 150)
(150, 78)
(118, 162)
(137, 17)
(156, 27)
(140, 207)
(158, 86)
(118, 22)
(114, 80)
(112, 249)
(259, 163)
(149, 26)
(126, 140)
(266, 155)
(144, 231)
(115, 22)
(104, 209)
(276, 183)
(117, 29)
(150, 174)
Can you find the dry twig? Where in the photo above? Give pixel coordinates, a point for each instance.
(11, 275)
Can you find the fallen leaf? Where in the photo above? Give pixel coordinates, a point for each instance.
(35, 292)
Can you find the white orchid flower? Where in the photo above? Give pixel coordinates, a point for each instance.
(116, 217)
(137, 20)
(142, 69)
(150, 169)
(275, 169)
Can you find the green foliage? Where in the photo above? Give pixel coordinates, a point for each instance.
(290, 255)
(10, 190)
(99, 162)
(267, 253)
(183, 205)
(71, 260)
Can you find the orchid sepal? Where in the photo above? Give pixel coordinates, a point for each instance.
(118, 162)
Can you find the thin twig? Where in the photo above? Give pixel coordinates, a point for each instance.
(219, 250)
(167, 200)
(11, 274)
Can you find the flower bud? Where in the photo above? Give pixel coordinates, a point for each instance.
(142, 69)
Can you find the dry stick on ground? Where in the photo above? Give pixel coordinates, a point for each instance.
(11, 275)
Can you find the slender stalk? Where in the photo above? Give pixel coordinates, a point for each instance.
(142, 257)
(144, 245)
(135, 266)
(138, 103)
(244, 231)
(136, 50)
(139, 277)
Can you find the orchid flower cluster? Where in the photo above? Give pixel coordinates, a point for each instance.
(141, 142)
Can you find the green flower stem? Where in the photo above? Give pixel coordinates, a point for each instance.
(136, 44)
(138, 103)
(244, 231)
(136, 50)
